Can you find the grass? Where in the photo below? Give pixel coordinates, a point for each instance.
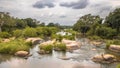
(14, 46)
(47, 48)
(118, 66)
(60, 46)
(109, 42)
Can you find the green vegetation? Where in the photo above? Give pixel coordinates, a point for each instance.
(118, 66)
(14, 46)
(30, 32)
(93, 26)
(46, 48)
(4, 35)
(108, 42)
(60, 46)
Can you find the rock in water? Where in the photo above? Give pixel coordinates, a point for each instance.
(104, 58)
(115, 48)
(21, 53)
(34, 40)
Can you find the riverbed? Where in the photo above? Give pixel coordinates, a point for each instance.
(80, 58)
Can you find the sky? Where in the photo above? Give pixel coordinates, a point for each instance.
(64, 12)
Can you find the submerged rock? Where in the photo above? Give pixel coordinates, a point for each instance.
(96, 43)
(64, 58)
(104, 58)
(115, 48)
(21, 53)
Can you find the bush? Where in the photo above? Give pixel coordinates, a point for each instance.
(30, 32)
(47, 48)
(4, 35)
(94, 37)
(60, 46)
(105, 32)
(14, 46)
(109, 42)
(118, 66)
(17, 33)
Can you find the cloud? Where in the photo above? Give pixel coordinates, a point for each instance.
(43, 4)
(76, 5)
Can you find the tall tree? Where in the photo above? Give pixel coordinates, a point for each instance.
(85, 22)
(113, 20)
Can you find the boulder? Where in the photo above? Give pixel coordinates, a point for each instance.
(104, 58)
(48, 42)
(34, 40)
(6, 40)
(71, 45)
(21, 53)
(115, 48)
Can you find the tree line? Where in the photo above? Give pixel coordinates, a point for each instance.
(91, 25)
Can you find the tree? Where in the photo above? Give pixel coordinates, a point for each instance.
(85, 22)
(51, 24)
(31, 22)
(113, 20)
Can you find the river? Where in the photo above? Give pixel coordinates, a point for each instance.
(80, 58)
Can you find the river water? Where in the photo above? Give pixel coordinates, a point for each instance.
(80, 58)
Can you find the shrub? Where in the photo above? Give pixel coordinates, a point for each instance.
(17, 33)
(47, 48)
(105, 32)
(30, 32)
(118, 66)
(60, 46)
(4, 35)
(14, 46)
(94, 37)
(108, 42)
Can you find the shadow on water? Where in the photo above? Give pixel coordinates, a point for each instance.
(80, 58)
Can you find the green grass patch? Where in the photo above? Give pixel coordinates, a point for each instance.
(47, 48)
(109, 42)
(118, 66)
(60, 46)
(14, 46)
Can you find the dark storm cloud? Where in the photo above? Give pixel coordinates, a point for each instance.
(43, 4)
(76, 5)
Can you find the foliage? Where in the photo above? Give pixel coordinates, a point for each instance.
(85, 22)
(17, 33)
(113, 20)
(46, 31)
(94, 37)
(46, 48)
(14, 46)
(108, 42)
(118, 66)
(30, 32)
(105, 32)
(60, 46)
(4, 35)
